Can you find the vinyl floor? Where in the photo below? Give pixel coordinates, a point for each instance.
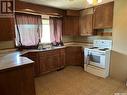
(72, 80)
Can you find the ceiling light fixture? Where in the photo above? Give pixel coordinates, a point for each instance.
(94, 2)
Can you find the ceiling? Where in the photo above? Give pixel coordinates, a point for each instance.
(65, 4)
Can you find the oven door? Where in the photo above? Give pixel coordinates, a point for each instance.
(97, 59)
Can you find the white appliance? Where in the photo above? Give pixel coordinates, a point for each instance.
(97, 58)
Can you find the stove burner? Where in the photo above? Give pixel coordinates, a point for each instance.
(104, 49)
(101, 49)
(93, 47)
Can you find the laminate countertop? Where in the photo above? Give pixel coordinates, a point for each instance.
(12, 58)
(80, 44)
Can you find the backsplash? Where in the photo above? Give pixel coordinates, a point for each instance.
(7, 44)
(90, 39)
(86, 39)
(66, 39)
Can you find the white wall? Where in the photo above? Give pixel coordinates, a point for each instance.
(119, 53)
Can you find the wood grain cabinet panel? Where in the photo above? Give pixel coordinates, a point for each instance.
(73, 13)
(35, 57)
(62, 58)
(74, 56)
(103, 16)
(37, 8)
(47, 61)
(51, 60)
(71, 25)
(6, 29)
(43, 61)
(86, 25)
(17, 81)
(66, 25)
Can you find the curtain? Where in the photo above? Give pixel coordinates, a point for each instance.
(56, 30)
(28, 29)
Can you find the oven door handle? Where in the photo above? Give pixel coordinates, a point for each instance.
(88, 59)
(102, 54)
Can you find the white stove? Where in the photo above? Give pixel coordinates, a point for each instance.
(97, 58)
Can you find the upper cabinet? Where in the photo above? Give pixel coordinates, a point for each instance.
(6, 29)
(71, 23)
(96, 18)
(103, 16)
(86, 22)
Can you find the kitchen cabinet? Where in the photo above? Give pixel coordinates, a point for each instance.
(35, 57)
(6, 29)
(74, 56)
(17, 81)
(62, 58)
(86, 25)
(71, 25)
(47, 61)
(103, 16)
(51, 60)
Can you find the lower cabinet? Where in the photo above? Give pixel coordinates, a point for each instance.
(51, 60)
(47, 61)
(35, 57)
(62, 58)
(74, 56)
(17, 81)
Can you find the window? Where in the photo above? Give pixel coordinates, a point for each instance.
(45, 31)
(28, 28)
(28, 35)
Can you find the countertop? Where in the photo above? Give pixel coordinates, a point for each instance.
(13, 58)
(40, 50)
(81, 44)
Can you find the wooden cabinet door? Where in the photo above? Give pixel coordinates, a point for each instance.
(75, 27)
(74, 56)
(49, 61)
(62, 58)
(103, 16)
(67, 25)
(86, 25)
(53, 62)
(42, 62)
(6, 29)
(71, 25)
(35, 57)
